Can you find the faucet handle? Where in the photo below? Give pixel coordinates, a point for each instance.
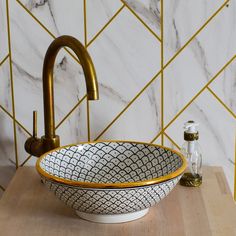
(35, 130)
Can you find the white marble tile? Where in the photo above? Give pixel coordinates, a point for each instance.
(22, 154)
(98, 13)
(216, 132)
(225, 86)
(7, 139)
(69, 82)
(182, 19)
(3, 31)
(157, 141)
(124, 64)
(148, 11)
(60, 17)
(7, 149)
(5, 87)
(199, 62)
(141, 122)
(74, 128)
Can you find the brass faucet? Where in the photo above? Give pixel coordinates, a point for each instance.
(38, 146)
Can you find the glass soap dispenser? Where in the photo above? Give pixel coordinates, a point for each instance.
(192, 151)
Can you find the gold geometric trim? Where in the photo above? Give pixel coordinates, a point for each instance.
(71, 111)
(208, 83)
(85, 24)
(221, 102)
(140, 19)
(105, 26)
(4, 59)
(128, 105)
(158, 73)
(15, 120)
(12, 82)
(197, 32)
(46, 29)
(162, 70)
(172, 141)
(25, 161)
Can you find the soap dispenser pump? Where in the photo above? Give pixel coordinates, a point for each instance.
(191, 150)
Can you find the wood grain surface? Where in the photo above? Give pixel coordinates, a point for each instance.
(28, 208)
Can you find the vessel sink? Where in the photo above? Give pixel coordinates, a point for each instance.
(111, 181)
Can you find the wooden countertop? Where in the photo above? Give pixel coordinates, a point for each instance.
(28, 208)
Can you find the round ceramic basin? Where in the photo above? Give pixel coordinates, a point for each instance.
(111, 181)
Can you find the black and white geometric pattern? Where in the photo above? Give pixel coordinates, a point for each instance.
(111, 162)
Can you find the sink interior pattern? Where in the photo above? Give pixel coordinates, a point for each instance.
(111, 162)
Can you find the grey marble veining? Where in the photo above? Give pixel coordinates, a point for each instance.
(149, 11)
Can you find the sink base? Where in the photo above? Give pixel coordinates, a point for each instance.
(110, 219)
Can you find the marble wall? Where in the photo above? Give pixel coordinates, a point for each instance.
(157, 67)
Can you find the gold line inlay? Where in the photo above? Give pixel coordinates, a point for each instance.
(12, 83)
(71, 111)
(196, 33)
(4, 59)
(156, 137)
(172, 141)
(154, 78)
(141, 20)
(26, 160)
(46, 29)
(105, 26)
(9, 114)
(209, 82)
(162, 71)
(86, 45)
(221, 102)
(85, 24)
(129, 104)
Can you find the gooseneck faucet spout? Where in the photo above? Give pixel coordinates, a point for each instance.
(50, 140)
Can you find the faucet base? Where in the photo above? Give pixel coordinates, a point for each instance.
(38, 147)
(50, 143)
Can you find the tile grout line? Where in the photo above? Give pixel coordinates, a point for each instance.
(221, 102)
(12, 82)
(4, 59)
(171, 140)
(4, 110)
(162, 72)
(26, 160)
(164, 67)
(105, 26)
(46, 29)
(200, 29)
(199, 92)
(141, 20)
(86, 45)
(197, 32)
(70, 112)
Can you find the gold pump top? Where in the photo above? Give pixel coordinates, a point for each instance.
(50, 140)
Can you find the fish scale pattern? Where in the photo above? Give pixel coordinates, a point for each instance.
(111, 162)
(111, 201)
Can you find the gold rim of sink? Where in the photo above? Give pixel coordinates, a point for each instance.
(60, 180)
